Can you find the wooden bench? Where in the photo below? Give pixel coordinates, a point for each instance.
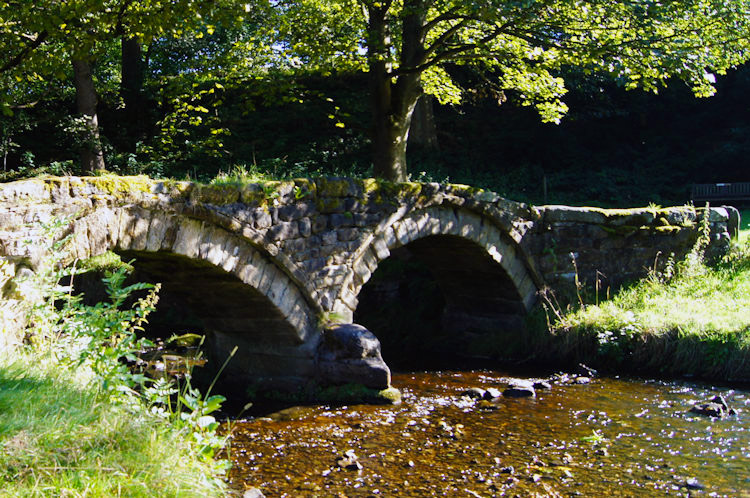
(723, 192)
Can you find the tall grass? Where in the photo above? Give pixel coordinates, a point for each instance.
(61, 437)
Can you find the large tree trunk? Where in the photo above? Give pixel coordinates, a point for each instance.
(393, 103)
(131, 84)
(423, 132)
(92, 158)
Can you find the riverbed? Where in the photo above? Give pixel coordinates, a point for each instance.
(612, 436)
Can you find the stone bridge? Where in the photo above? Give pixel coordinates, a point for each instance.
(273, 267)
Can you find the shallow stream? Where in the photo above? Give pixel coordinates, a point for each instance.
(612, 437)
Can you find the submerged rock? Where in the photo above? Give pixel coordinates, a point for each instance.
(349, 461)
(693, 483)
(253, 493)
(584, 371)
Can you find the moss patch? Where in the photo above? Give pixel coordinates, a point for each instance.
(118, 185)
(107, 261)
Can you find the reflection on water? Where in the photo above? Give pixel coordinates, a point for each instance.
(619, 437)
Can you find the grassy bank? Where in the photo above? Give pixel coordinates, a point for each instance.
(61, 436)
(691, 319)
(76, 420)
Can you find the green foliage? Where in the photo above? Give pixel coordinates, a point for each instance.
(640, 44)
(60, 438)
(92, 347)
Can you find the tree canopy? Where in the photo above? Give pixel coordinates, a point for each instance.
(409, 47)
(193, 49)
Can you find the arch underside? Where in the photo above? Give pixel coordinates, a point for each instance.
(216, 283)
(478, 292)
(467, 239)
(486, 286)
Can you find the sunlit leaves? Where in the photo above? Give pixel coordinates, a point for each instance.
(640, 43)
(437, 82)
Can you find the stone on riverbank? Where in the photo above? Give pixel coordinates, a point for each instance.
(519, 388)
(715, 407)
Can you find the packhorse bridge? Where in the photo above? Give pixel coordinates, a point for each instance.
(276, 268)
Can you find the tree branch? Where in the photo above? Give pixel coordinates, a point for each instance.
(19, 58)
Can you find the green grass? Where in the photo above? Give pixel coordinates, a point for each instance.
(59, 437)
(696, 322)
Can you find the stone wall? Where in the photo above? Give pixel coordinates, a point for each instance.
(613, 246)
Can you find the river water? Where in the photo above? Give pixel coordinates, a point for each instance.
(612, 437)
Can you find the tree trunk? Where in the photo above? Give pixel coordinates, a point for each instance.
(92, 158)
(423, 133)
(393, 103)
(131, 84)
(131, 90)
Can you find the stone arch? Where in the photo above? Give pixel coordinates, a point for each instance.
(141, 230)
(461, 229)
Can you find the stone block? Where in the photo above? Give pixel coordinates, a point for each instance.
(232, 253)
(283, 230)
(307, 254)
(389, 237)
(79, 244)
(361, 272)
(370, 258)
(351, 205)
(305, 227)
(26, 191)
(718, 214)
(124, 230)
(349, 298)
(555, 214)
(319, 223)
(347, 234)
(329, 238)
(361, 220)
(213, 246)
(351, 353)
(295, 211)
(188, 238)
(681, 216)
(337, 220)
(139, 229)
(277, 291)
(313, 265)
(103, 230)
(469, 224)
(262, 219)
(448, 222)
(380, 248)
(157, 231)
(337, 187)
